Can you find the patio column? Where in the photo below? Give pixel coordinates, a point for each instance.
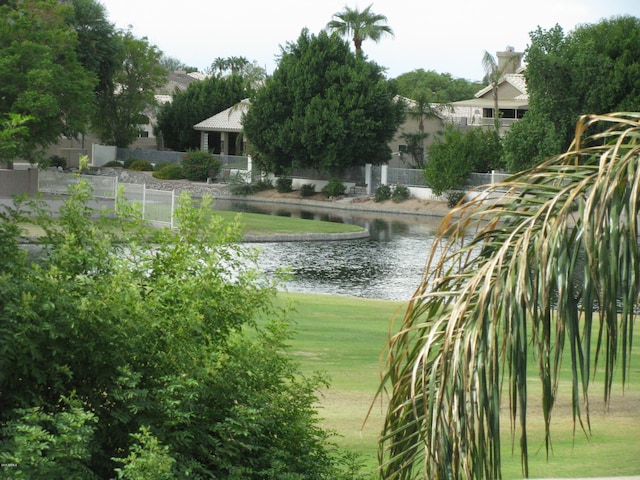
(224, 143)
(204, 141)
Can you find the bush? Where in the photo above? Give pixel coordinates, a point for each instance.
(243, 188)
(283, 185)
(113, 164)
(53, 161)
(454, 197)
(161, 165)
(307, 190)
(334, 188)
(127, 163)
(263, 184)
(57, 161)
(141, 166)
(400, 193)
(383, 192)
(198, 166)
(172, 171)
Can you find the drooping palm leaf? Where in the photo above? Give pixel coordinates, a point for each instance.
(516, 273)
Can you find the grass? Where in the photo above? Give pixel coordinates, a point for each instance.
(344, 337)
(261, 224)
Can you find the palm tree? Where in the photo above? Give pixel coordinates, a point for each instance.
(515, 275)
(420, 109)
(220, 65)
(493, 74)
(359, 25)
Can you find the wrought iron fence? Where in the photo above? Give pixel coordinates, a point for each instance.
(406, 176)
(152, 156)
(480, 179)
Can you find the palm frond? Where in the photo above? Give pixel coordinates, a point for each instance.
(517, 274)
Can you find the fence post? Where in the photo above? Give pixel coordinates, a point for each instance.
(144, 199)
(384, 174)
(368, 177)
(115, 194)
(173, 201)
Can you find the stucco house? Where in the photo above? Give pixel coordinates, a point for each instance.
(432, 125)
(513, 99)
(71, 148)
(222, 133)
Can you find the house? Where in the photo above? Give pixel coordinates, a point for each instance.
(513, 99)
(432, 124)
(177, 81)
(222, 133)
(72, 148)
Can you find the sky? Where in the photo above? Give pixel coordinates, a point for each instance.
(447, 36)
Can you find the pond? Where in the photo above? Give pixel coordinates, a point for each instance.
(387, 266)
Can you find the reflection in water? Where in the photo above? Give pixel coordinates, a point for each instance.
(389, 265)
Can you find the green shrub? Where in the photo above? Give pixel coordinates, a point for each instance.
(198, 166)
(113, 164)
(172, 171)
(383, 192)
(53, 161)
(141, 166)
(243, 188)
(334, 188)
(161, 165)
(283, 185)
(454, 197)
(307, 190)
(400, 193)
(263, 184)
(57, 161)
(127, 163)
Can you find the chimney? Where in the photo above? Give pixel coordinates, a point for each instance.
(509, 60)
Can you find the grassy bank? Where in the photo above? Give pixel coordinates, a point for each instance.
(261, 224)
(345, 336)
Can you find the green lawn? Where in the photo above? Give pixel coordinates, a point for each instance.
(261, 224)
(344, 337)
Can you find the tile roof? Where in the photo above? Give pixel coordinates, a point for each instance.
(516, 79)
(229, 120)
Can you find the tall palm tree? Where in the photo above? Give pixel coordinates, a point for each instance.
(515, 275)
(493, 74)
(360, 26)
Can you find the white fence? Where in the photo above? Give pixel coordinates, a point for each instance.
(157, 206)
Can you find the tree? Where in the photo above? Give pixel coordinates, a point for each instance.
(592, 69)
(493, 74)
(198, 102)
(421, 109)
(453, 157)
(360, 26)
(322, 109)
(519, 271)
(130, 91)
(13, 137)
(98, 47)
(252, 73)
(440, 87)
(40, 72)
(163, 362)
(172, 64)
